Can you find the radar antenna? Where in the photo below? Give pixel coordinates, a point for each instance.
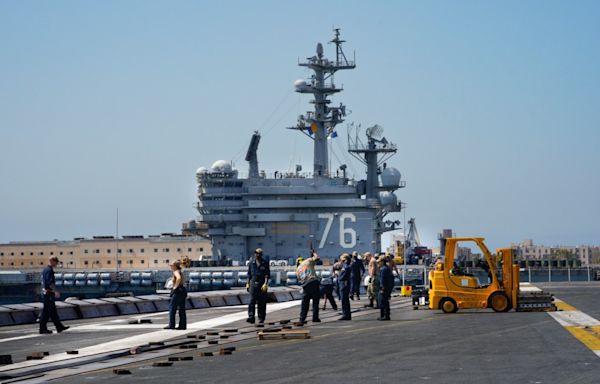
(321, 122)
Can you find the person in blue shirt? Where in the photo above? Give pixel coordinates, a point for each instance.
(50, 294)
(358, 269)
(259, 275)
(386, 283)
(344, 281)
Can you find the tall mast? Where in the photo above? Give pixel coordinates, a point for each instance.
(321, 123)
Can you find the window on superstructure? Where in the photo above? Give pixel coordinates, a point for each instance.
(85, 251)
(12, 253)
(130, 250)
(86, 262)
(108, 251)
(51, 253)
(30, 253)
(61, 252)
(189, 249)
(108, 262)
(31, 263)
(70, 263)
(96, 251)
(130, 261)
(166, 249)
(142, 261)
(141, 250)
(155, 261)
(119, 250)
(119, 262)
(71, 252)
(22, 253)
(1, 253)
(167, 261)
(178, 249)
(41, 263)
(22, 263)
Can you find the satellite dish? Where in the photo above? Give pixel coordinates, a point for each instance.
(319, 50)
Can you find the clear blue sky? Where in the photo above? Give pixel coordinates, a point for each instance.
(495, 107)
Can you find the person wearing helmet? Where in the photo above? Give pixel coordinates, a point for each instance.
(259, 275)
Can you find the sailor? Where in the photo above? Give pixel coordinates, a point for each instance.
(327, 292)
(386, 281)
(344, 281)
(178, 296)
(358, 269)
(392, 263)
(259, 276)
(50, 294)
(373, 288)
(307, 276)
(337, 267)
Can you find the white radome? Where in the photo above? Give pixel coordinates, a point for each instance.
(388, 199)
(390, 177)
(300, 84)
(201, 171)
(221, 166)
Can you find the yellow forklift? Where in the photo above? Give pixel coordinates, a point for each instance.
(452, 288)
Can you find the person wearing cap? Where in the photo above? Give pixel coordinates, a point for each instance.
(386, 284)
(357, 271)
(50, 294)
(344, 281)
(259, 275)
(178, 296)
(391, 263)
(373, 288)
(307, 276)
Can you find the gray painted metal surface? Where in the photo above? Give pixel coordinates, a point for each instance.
(289, 213)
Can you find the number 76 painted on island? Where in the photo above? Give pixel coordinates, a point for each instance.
(343, 230)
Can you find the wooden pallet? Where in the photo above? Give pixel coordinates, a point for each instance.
(284, 335)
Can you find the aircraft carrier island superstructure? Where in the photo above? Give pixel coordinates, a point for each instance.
(289, 213)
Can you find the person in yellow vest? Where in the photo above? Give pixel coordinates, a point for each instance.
(299, 261)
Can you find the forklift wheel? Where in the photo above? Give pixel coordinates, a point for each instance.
(448, 305)
(499, 302)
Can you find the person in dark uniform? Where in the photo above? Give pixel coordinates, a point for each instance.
(307, 276)
(327, 292)
(259, 276)
(344, 281)
(178, 296)
(50, 294)
(386, 281)
(357, 270)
